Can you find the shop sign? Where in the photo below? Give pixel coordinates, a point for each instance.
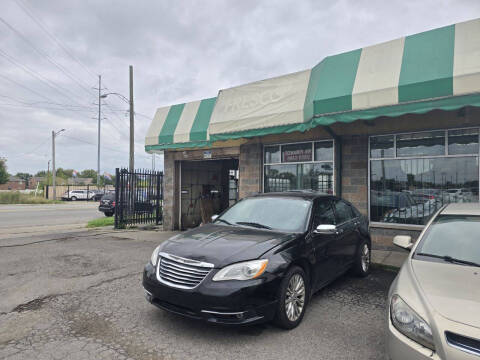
(207, 154)
(297, 155)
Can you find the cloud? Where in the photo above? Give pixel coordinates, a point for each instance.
(181, 51)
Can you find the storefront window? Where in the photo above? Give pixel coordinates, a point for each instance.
(410, 189)
(295, 169)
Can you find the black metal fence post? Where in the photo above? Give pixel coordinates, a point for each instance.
(117, 203)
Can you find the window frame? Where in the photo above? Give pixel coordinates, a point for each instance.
(313, 161)
(395, 157)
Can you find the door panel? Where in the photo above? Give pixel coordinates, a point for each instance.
(324, 245)
(348, 235)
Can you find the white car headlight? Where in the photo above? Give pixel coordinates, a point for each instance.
(409, 323)
(154, 257)
(242, 271)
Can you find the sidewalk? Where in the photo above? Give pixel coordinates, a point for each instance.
(389, 258)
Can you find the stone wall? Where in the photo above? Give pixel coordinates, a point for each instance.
(168, 190)
(355, 171)
(250, 169)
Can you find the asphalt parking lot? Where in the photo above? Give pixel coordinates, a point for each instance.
(79, 296)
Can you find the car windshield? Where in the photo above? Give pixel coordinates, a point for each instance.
(277, 213)
(454, 236)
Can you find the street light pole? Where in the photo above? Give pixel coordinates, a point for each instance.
(53, 167)
(99, 119)
(54, 134)
(132, 133)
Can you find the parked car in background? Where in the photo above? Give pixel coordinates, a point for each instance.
(74, 195)
(98, 194)
(260, 260)
(434, 301)
(107, 204)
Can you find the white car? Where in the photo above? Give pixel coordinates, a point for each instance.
(74, 195)
(434, 302)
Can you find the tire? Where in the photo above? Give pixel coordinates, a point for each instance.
(73, 198)
(108, 214)
(286, 317)
(361, 267)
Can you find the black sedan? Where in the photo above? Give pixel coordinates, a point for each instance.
(107, 204)
(260, 260)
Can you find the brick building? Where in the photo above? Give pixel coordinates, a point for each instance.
(393, 128)
(13, 183)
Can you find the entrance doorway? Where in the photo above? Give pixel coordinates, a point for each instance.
(207, 187)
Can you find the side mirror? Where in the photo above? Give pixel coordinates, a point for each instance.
(214, 217)
(325, 229)
(403, 241)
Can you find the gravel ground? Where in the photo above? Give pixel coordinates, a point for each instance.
(109, 318)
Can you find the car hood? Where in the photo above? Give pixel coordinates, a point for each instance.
(453, 290)
(223, 245)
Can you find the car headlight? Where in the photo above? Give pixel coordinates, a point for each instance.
(154, 257)
(242, 271)
(409, 323)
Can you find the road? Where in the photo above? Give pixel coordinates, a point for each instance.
(16, 219)
(78, 295)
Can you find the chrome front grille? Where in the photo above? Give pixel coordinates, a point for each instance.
(180, 272)
(463, 343)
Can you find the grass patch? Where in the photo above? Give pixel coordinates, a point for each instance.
(15, 197)
(105, 221)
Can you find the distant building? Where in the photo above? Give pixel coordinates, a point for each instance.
(80, 181)
(13, 183)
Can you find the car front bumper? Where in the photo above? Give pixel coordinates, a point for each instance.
(225, 302)
(106, 208)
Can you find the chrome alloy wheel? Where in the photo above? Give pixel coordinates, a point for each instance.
(295, 299)
(365, 258)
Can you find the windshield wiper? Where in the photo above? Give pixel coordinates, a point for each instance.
(450, 259)
(253, 224)
(224, 221)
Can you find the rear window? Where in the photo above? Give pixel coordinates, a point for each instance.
(108, 197)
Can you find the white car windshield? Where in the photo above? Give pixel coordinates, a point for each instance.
(276, 213)
(454, 237)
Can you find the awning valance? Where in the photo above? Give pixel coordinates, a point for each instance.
(437, 69)
(180, 125)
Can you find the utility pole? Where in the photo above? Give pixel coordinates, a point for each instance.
(132, 133)
(48, 171)
(153, 161)
(53, 166)
(99, 119)
(54, 135)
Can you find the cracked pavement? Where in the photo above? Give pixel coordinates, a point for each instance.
(78, 295)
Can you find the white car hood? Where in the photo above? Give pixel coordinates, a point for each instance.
(453, 290)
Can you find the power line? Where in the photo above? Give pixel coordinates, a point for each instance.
(37, 104)
(65, 48)
(46, 56)
(31, 151)
(38, 76)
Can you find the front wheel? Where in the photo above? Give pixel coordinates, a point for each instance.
(361, 267)
(108, 214)
(292, 298)
(73, 198)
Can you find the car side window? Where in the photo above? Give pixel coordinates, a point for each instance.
(343, 212)
(323, 213)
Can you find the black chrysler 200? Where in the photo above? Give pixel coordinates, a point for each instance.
(260, 260)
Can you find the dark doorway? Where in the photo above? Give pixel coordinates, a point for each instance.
(208, 187)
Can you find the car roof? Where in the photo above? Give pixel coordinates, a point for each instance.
(462, 209)
(303, 194)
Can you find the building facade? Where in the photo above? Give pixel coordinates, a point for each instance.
(393, 128)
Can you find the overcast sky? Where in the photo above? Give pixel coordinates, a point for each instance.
(52, 52)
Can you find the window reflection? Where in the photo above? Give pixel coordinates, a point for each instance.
(463, 142)
(410, 191)
(272, 154)
(312, 176)
(421, 144)
(382, 146)
(324, 151)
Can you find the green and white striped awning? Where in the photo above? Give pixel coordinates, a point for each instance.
(437, 69)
